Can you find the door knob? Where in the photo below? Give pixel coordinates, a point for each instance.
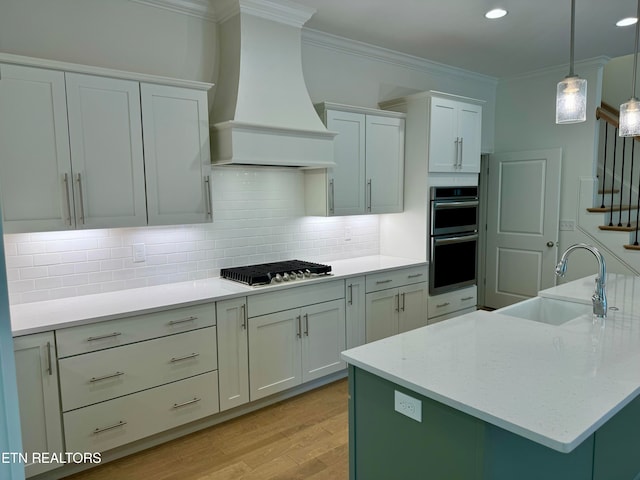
(550, 244)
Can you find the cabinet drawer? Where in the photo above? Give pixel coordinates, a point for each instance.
(99, 376)
(97, 336)
(286, 299)
(452, 301)
(395, 278)
(107, 425)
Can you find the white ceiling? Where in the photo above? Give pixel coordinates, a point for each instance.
(534, 35)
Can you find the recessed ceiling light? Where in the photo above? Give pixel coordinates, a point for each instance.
(496, 13)
(625, 22)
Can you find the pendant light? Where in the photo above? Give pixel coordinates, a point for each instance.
(630, 111)
(571, 94)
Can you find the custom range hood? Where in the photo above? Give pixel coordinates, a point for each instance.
(262, 113)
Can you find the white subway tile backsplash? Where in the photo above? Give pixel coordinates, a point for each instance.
(258, 217)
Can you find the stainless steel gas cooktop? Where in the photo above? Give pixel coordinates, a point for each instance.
(265, 273)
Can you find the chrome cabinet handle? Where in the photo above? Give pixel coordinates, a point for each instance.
(188, 402)
(49, 365)
(186, 357)
(331, 197)
(243, 314)
(403, 302)
(457, 142)
(350, 294)
(65, 180)
(182, 320)
(207, 196)
(102, 337)
(465, 299)
(79, 180)
(443, 305)
(415, 276)
(299, 331)
(306, 324)
(105, 377)
(380, 282)
(461, 150)
(370, 193)
(110, 427)
(396, 299)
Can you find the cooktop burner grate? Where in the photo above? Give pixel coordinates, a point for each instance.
(264, 273)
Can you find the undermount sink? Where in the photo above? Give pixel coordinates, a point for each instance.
(547, 310)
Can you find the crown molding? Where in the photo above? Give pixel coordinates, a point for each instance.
(561, 70)
(361, 49)
(282, 11)
(196, 8)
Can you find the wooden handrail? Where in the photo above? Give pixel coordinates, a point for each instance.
(610, 108)
(610, 115)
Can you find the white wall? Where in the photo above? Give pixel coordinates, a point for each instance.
(525, 120)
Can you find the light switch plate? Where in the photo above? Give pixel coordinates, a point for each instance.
(567, 225)
(409, 406)
(138, 252)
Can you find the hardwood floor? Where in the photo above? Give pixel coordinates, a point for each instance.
(305, 437)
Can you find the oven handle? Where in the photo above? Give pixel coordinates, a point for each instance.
(461, 203)
(450, 240)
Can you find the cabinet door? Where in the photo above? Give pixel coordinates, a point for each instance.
(323, 339)
(355, 312)
(381, 314)
(275, 346)
(347, 179)
(35, 172)
(413, 307)
(470, 131)
(443, 136)
(175, 123)
(105, 134)
(233, 352)
(37, 378)
(385, 164)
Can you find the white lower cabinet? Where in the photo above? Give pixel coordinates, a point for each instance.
(390, 311)
(452, 304)
(233, 352)
(107, 425)
(355, 311)
(37, 377)
(296, 345)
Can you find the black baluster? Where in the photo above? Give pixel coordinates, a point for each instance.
(613, 177)
(604, 167)
(624, 147)
(633, 149)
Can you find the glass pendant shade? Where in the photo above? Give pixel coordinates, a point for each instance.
(630, 118)
(571, 100)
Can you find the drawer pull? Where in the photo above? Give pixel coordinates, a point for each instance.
(380, 282)
(465, 299)
(188, 402)
(183, 320)
(443, 305)
(49, 364)
(110, 427)
(102, 337)
(415, 275)
(186, 357)
(105, 377)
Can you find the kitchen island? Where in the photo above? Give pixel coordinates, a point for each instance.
(500, 397)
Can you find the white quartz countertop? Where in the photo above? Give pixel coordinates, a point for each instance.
(36, 317)
(555, 385)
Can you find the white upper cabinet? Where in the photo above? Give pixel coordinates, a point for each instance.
(177, 155)
(455, 130)
(105, 136)
(369, 155)
(72, 148)
(35, 171)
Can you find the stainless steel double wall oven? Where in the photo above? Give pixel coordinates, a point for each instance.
(453, 239)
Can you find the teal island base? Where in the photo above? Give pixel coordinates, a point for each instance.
(450, 445)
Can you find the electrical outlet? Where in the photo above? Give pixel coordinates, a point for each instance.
(409, 406)
(567, 225)
(138, 252)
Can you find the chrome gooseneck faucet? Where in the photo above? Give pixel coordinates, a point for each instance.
(599, 298)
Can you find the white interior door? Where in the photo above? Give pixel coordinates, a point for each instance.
(522, 225)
